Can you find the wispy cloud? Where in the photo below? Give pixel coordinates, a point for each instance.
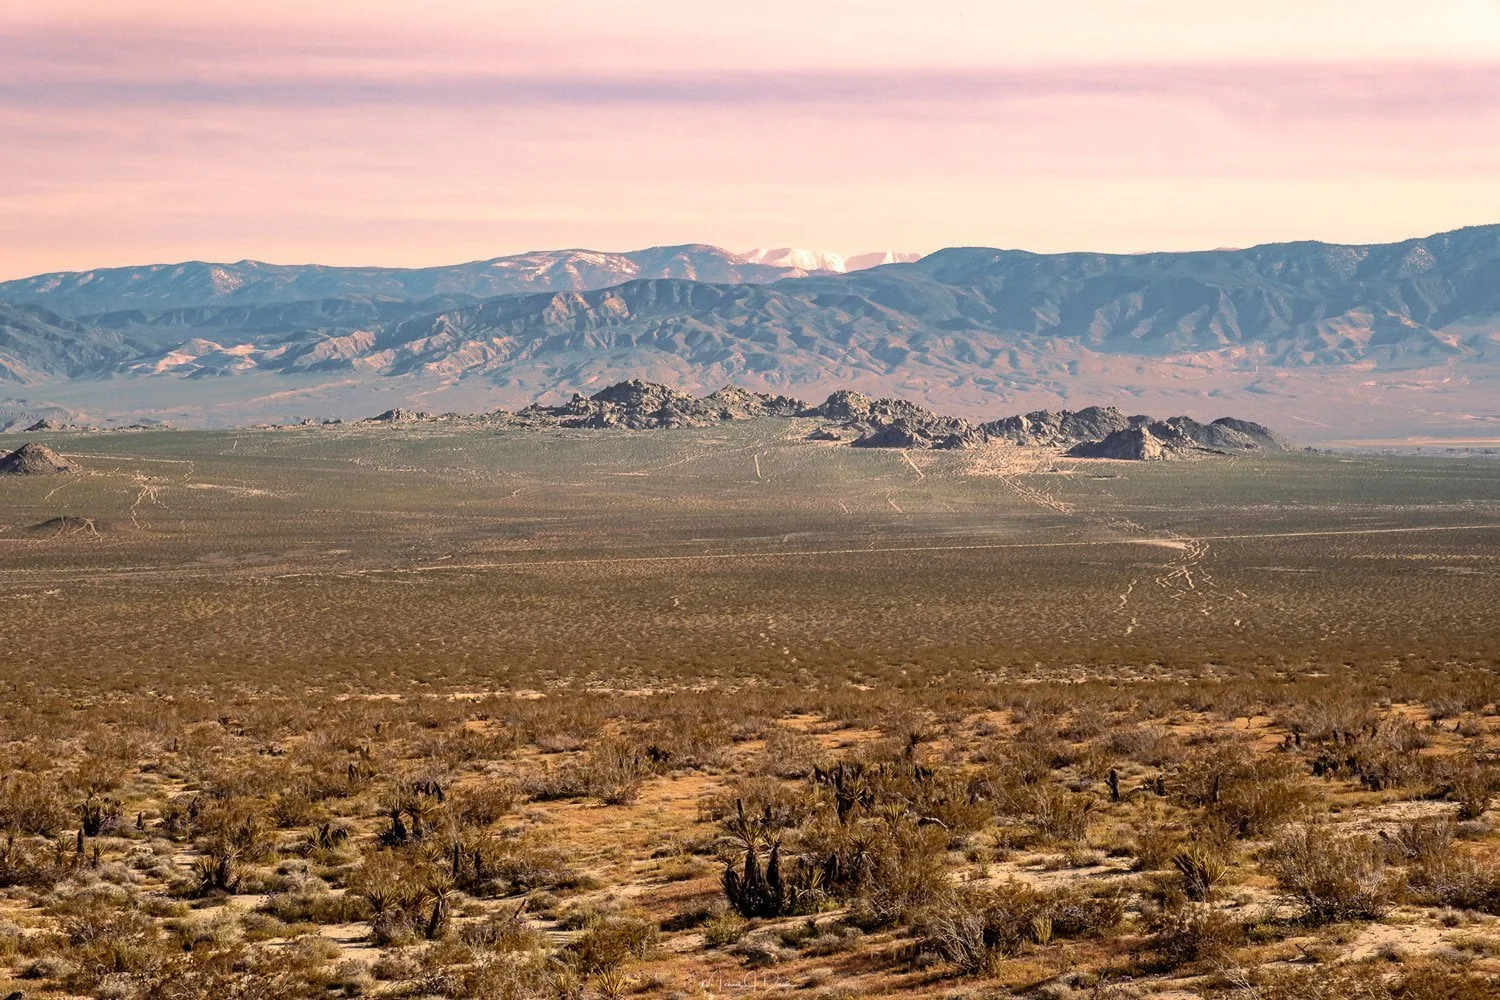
(388, 131)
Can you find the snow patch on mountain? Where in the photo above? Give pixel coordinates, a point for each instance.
(824, 260)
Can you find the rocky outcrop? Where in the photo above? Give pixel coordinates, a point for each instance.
(864, 422)
(33, 459)
(1133, 444)
(893, 423)
(638, 405)
(1178, 437)
(399, 416)
(1065, 427)
(1245, 434)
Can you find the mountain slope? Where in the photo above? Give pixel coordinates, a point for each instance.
(36, 344)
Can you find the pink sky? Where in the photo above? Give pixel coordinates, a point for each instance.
(404, 133)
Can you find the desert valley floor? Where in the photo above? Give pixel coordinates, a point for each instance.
(441, 711)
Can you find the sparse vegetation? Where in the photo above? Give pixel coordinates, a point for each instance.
(634, 775)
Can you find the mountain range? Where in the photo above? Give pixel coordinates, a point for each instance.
(1306, 328)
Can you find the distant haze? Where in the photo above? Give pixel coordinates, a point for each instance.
(405, 134)
(1325, 342)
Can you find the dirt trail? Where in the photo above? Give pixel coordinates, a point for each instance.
(1007, 464)
(1183, 573)
(907, 459)
(150, 492)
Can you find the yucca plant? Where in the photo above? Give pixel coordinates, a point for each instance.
(1202, 868)
(612, 984)
(772, 891)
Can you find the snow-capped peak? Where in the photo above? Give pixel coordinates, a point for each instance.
(824, 260)
(805, 260)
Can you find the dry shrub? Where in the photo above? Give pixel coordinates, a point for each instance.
(482, 805)
(1470, 783)
(1322, 717)
(1427, 841)
(1251, 793)
(1365, 982)
(975, 929)
(312, 903)
(1058, 815)
(1084, 723)
(1192, 934)
(612, 772)
(527, 863)
(505, 977)
(36, 862)
(790, 806)
(1463, 880)
(790, 753)
(891, 869)
(899, 783)
(1333, 876)
(502, 932)
(611, 941)
(295, 808)
(102, 935)
(32, 804)
(217, 974)
(686, 741)
(1154, 746)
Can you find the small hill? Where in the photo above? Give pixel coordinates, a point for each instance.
(33, 459)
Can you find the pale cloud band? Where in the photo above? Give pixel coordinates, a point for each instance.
(478, 130)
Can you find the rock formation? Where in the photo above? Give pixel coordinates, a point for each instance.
(1177, 437)
(1093, 432)
(33, 459)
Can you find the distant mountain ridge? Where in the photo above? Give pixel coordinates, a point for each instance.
(960, 320)
(249, 282)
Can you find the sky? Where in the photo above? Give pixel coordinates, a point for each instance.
(403, 133)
